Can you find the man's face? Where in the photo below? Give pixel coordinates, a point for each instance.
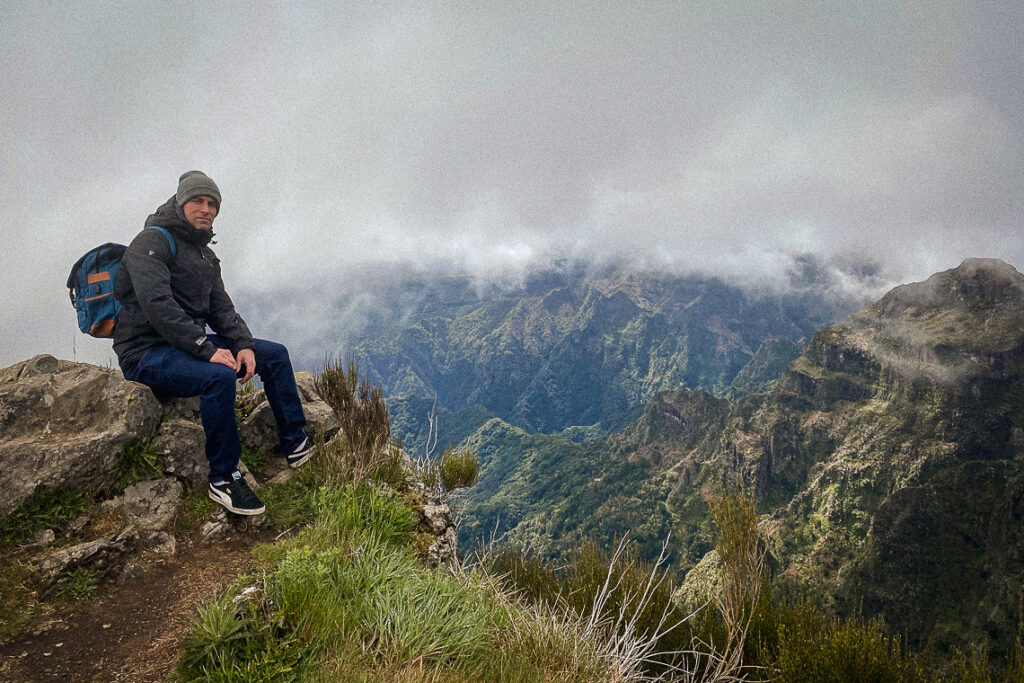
(200, 212)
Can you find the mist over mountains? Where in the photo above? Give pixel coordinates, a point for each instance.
(573, 343)
(883, 447)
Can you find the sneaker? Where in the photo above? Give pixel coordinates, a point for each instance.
(300, 454)
(236, 496)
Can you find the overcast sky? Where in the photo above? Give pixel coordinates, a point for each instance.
(720, 138)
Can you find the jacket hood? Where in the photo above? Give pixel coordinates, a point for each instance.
(170, 216)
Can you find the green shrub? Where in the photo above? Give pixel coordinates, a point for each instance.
(814, 647)
(363, 450)
(349, 597)
(234, 640)
(1015, 664)
(365, 421)
(17, 597)
(458, 469)
(245, 401)
(525, 574)
(357, 513)
(287, 504)
(195, 508)
(612, 589)
(742, 557)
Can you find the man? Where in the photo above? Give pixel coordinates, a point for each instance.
(169, 297)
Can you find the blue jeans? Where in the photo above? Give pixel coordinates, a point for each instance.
(169, 371)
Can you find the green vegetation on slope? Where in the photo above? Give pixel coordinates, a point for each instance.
(887, 460)
(573, 349)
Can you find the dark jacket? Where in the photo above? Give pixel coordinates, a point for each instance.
(169, 299)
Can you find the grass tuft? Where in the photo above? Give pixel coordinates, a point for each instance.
(137, 460)
(78, 584)
(256, 461)
(42, 511)
(458, 468)
(349, 593)
(363, 450)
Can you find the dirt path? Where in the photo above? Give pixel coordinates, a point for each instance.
(129, 632)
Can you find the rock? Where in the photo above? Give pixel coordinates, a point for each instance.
(253, 484)
(213, 530)
(161, 543)
(110, 556)
(44, 539)
(247, 524)
(64, 424)
(439, 517)
(182, 447)
(77, 525)
(183, 408)
(443, 552)
(283, 477)
(222, 523)
(152, 505)
(259, 430)
(247, 594)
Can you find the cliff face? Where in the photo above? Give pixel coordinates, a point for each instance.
(892, 457)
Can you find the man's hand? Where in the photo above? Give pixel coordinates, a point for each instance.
(247, 362)
(224, 357)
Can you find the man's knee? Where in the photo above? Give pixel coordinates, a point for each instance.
(270, 352)
(221, 379)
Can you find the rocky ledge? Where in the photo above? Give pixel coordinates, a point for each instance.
(67, 426)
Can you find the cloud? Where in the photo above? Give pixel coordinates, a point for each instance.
(727, 140)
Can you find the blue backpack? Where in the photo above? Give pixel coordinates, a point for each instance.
(91, 286)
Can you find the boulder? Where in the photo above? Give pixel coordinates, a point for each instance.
(152, 505)
(437, 518)
(64, 424)
(181, 444)
(183, 408)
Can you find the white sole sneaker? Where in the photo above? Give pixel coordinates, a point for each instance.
(301, 454)
(223, 499)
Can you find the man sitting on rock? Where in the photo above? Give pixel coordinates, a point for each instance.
(169, 297)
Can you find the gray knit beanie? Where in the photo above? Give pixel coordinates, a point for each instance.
(194, 184)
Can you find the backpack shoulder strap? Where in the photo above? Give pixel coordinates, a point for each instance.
(167, 234)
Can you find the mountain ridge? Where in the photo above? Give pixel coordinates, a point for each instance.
(900, 425)
(575, 349)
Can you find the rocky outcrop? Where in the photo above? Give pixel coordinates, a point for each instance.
(443, 552)
(63, 425)
(181, 445)
(887, 462)
(151, 505)
(890, 456)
